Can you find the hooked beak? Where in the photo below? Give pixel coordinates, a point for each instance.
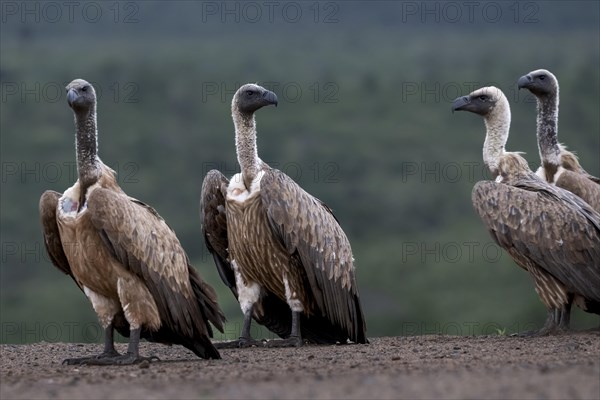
(459, 103)
(270, 97)
(524, 81)
(71, 96)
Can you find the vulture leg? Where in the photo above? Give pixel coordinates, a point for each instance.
(109, 350)
(131, 357)
(557, 322)
(133, 353)
(557, 300)
(245, 339)
(295, 339)
(565, 318)
(109, 342)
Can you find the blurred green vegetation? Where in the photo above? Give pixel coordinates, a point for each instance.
(363, 123)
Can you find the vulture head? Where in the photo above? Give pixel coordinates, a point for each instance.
(482, 101)
(81, 95)
(540, 82)
(251, 97)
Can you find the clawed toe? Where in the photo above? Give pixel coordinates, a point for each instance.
(244, 343)
(239, 344)
(104, 359)
(87, 360)
(230, 344)
(289, 342)
(129, 359)
(544, 331)
(76, 361)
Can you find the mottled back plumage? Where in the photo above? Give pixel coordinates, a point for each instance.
(551, 228)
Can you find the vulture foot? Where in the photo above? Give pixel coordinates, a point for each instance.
(89, 360)
(128, 359)
(543, 331)
(292, 341)
(125, 359)
(239, 344)
(556, 323)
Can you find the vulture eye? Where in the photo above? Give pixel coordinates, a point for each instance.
(542, 77)
(483, 97)
(249, 92)
(84, 89)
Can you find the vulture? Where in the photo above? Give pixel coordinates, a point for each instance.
(123, 256)
(548, 231)
(280, 250)
(559, 166)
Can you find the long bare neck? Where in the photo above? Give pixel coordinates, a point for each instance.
(88, 163)
(497, 126)
(245, 145)
(547, 133)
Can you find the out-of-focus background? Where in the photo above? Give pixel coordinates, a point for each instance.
(363, 123)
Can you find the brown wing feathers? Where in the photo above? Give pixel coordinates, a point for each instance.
(48, 205)
(144, 243)
(583, 185)
(310, 232)
(214, 224)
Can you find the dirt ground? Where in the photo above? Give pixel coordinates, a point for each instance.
(449, 367)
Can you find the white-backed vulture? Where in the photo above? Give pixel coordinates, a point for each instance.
(279, 249)
(559, 166)
(123, 255)
(550, 232)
